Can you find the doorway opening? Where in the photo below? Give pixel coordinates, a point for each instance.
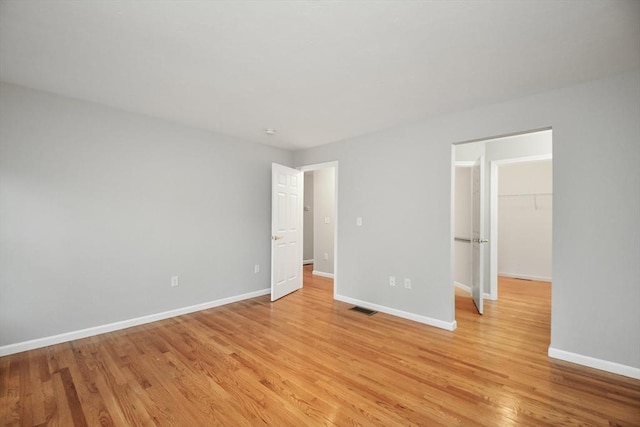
(521, 216)
(517, 196)
(320, 221)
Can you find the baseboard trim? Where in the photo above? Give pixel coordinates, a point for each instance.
(467, 289)
(592, 362)
(322, 274)
(110, 327)
(449, 326)
(307, 261)
(462, 286)
(525, 276)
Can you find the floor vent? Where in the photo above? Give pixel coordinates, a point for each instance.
(363, 310)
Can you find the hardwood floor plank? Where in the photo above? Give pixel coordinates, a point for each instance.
(309, 360)
(11, 394)
(28, 405)
(72, 398)
(62, 414)
(38, 401)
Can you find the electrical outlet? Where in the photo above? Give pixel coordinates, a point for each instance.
(407, 283)
(326, 256)
(175, 281)
(256, 268)
(359, 221)
(392, 281)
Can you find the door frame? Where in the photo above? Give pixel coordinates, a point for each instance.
(328, 165)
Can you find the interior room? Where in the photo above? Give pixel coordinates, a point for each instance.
(154, 263)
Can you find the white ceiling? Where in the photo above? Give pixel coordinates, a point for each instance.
(317, 71)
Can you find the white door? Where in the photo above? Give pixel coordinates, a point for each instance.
(477, 233)
(286, 230)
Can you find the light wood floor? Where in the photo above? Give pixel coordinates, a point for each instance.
(307, 360)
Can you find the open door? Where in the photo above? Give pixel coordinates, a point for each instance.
(286, 230)
(477, 233)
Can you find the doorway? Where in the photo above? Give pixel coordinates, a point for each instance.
(521, 216)
(320, 220)
(529, 197)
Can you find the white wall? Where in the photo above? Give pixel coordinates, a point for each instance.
(100, 208)
(462, 226)
(526, 178)
(518, 146)
(525, 195)
(399, 182)
(308, 217)
(324, 221)
(470, 151)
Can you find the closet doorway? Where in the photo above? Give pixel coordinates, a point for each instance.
(519, 200)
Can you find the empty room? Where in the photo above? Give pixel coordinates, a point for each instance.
(244, 213)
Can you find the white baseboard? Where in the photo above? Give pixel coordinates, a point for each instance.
(322, 274)
(467, 289)
(525, 276)
(97, 330)
(592, 362)
(462, 286)
(307, 261)
(449, 326)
